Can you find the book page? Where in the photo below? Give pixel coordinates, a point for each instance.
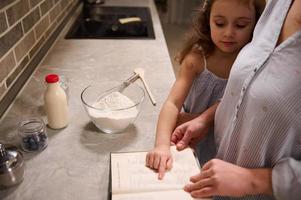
(129, 173)
(168, 195)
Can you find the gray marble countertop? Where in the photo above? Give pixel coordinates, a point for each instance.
(75, 165)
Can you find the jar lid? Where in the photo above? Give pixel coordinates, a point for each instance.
(32, 125)
(10, 158)
(52, 78)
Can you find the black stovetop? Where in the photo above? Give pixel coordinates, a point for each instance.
(102, 22)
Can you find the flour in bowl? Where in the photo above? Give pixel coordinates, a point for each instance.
(113, 112)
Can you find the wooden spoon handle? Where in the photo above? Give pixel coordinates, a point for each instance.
(148, 91)
(140, 71)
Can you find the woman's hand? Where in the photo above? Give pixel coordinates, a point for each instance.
(192, 131)
(220, 178)
(184, 117)
(159, 159)
(189, 133)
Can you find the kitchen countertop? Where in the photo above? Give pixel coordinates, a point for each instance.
(75, 165)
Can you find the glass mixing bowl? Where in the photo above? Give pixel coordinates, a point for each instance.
(111, 110)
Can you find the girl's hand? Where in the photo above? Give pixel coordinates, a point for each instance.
(225, 179)
(159, 159)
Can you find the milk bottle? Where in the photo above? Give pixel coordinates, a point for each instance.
(55, 103)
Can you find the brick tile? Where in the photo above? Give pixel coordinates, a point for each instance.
(24, 46)
(4, 3)
(30, 20)
(64, 4)
(55, 1)
(17, 71)
(8, 40)
(61, 16)
(2, 89)
(6, 65)
(42, 27)
(33, 3)
(17, 11)
(50, 29)
(55, 12)
(36, 48)
(3, 23)
(46, 6)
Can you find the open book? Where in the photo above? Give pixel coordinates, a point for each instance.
(132, 180)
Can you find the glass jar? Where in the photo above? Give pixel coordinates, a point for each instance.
(33, 134)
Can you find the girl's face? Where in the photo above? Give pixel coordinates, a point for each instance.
(231, 23)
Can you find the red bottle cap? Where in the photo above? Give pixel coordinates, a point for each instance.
(52, 78)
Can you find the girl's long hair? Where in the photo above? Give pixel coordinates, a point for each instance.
(199, 34)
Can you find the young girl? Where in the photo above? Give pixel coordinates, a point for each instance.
(221, 29)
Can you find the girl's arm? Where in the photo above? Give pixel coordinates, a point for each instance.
(160, 158)
(172, 106)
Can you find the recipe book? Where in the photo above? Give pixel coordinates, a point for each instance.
(132, 180)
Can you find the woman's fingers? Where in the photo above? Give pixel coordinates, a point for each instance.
(176, 136)
(185, 140)
(205, 192)
(203, 174)
(208, 165)
(202, 184)
(199, 185)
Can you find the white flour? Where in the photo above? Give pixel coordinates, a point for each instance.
(115, 120)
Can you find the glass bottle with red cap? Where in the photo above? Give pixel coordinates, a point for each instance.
(55, 102)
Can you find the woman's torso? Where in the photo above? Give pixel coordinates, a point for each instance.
(258, 121)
